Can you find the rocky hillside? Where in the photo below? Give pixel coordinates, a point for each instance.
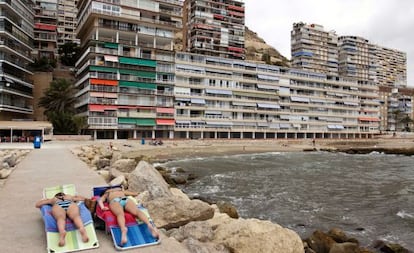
(256, 49)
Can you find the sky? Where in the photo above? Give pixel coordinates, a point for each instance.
(389, 23)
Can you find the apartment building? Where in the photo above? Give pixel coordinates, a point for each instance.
(66, 21)
(392, 67)
(16, 40)
(45, 35)
(125, 74)
(223, 98)
(356, 59)
(396, 108)
(314, 49)
(214, 27)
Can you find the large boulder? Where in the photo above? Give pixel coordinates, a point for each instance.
(4, 173)
(146, 178)
(346, 247)
(10, 159)
(175, 211)
(320, 242)
(253, 235)
(224, 234)
(124, 165)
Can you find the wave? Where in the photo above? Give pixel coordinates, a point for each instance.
(405, 215)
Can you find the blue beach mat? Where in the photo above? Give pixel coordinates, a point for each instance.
(138, 233)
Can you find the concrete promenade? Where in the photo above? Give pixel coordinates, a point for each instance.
(21, 224)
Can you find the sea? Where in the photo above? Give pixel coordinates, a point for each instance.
(370, 197)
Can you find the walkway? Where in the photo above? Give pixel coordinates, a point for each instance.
(21, 224)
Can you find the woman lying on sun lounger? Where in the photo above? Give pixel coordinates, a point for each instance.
(65, 205)
(118, 202)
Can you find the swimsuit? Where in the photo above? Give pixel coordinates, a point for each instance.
(121, 200)
(64, 204)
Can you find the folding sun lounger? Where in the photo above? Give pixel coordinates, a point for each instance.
(138, 233)
(73, 238)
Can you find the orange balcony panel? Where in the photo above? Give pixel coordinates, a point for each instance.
(104, 82)
(165, 110)
(166, 122)
(236, 49)
(235, 8)
(45, 27)
(372, 119)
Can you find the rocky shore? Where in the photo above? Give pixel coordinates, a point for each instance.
(215, 227)
(201, 226)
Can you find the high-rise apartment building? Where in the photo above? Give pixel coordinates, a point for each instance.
(125, 73)
(314, 49)
(214, 27)
(355, 58)
(392, 67)
(45, 29)
(351, 57)
(66, 21)
(16, 45)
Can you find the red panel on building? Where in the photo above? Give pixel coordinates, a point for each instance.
(45, 27)
(104, 82)
(165, 110)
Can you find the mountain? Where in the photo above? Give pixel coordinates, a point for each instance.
(256, 49)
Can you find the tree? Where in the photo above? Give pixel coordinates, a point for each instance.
(59, 103)
(407, 121)
(59, 97)
(68, 53)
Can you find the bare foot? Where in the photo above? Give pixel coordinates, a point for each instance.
(62, 241)
(154, 231)
(84, 235)
(124, 236)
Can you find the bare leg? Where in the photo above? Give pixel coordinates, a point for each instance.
(118, 211)
(73, 213)
(134, 210)
(60, 215)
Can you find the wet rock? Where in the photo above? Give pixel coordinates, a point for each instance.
(227, 208)
(320, 242)
(346, 247)
(338, 235)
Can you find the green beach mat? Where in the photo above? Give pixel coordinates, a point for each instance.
(73, 241)
(73, 238)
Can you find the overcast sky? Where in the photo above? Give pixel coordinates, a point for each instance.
(389, 23)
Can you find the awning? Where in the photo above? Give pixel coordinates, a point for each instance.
(263, 124)
(269, 78)
(267, 87)
(284, 126)
(299, 99)
(219, 123)
(165, 110)
(198, 101)
(182, 90)
(220, 92)
(189, 67)
(271, 106)
(8, 80)
(145, 122)
(96, 108)
(315, 100)
(372, 119)
(182, 99)
(339, 127)
(166, 122)
(213, 112)
(111, 58)
(351, 103)
(244, 104)
(104, 82)
(182, 122)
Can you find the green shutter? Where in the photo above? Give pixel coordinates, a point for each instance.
(145, 122)
(137, 61)
(111, 45)
(126, 121)
(150, 86)
(143, 74)
(103, 69)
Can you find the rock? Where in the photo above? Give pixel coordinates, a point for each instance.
(253, 235)
(227, 208)
(120, 180)
(5, 166)
(102, 163)
(5, 173)
(173, 212)
(346, 247)
(320, 242)
(145, 177)
(198, 230)
(105, 174)
(179, 179)
(116, 173)
(10, 159)
(338, 235)
(124, 165)
(200, 247)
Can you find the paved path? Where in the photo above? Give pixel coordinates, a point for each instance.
(21, 224)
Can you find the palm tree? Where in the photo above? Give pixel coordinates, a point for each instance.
(59, 97)
(59, 100)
